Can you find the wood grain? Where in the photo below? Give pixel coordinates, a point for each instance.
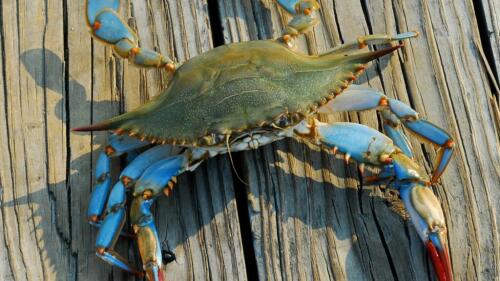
(56, 78)
(304, 215)
(302, 231)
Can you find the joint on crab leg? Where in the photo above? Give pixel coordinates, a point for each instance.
(436, 136)
(137, 167)
(427, 131)
(108, 26)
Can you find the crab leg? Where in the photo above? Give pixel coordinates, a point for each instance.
(303, 18)
(356, 141)
(157, 178)
(114, 216)
(369, 146)
(395, 113)
(108, 27)
(149, 174)
(117, 146)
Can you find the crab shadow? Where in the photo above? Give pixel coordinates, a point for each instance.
(321, 205)
(48, 71)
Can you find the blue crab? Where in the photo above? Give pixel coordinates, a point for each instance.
(245, 95)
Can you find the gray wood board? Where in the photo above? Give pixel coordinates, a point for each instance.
(309, 217)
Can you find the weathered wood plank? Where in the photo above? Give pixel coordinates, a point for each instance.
(57, 78)
(33, 228)
(310, 217)
(302, 232)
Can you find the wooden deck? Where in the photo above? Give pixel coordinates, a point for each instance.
(304, 215)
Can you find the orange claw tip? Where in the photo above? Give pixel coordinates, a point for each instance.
(362, 44)
(119, 132)
(167, 191)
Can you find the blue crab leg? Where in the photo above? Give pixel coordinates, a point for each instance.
(114, 217)
(356, 141)
(109, 27)
(396, 112)
(116, 147)
(103, 183)
(110, 229)
(158, 175)
(150, 173)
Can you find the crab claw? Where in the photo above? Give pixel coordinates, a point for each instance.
(147, 237)
(427, 216)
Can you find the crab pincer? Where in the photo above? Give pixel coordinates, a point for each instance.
(407, 176)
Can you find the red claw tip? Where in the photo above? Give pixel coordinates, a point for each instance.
(441, 262)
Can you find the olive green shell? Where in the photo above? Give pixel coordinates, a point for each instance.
(237, 87)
